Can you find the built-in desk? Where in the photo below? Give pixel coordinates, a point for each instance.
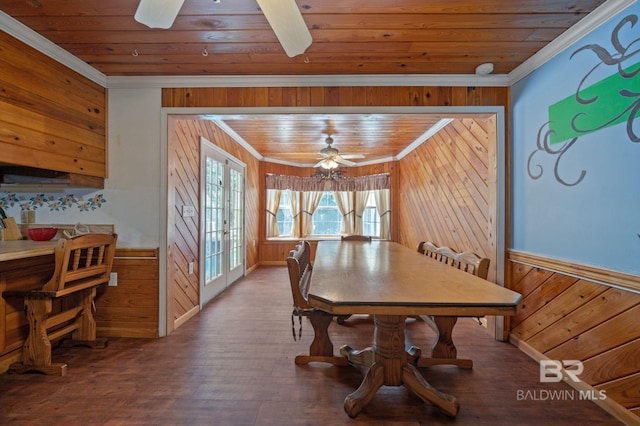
(24, 264)
(21, 249)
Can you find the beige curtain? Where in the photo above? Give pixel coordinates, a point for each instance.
(294, 203)
(361, 203)
(382, 205)
(273, 204)
(316, 183)
(344, 201)
(310, 202)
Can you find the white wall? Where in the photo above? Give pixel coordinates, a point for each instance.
(133, 189)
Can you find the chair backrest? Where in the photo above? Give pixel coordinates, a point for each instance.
(446, 255)
(82, 261)
(300, 269)
(466, 261)
(356, 238)
(427, 248)
(474, 264)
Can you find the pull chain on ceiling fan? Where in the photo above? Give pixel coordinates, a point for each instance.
(283, 16)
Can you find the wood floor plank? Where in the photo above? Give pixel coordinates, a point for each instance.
(233, 364)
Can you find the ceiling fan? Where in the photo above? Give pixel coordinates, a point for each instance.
(283, 16)
(332, 158)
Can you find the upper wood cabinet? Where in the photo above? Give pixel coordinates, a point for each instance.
(51, 117)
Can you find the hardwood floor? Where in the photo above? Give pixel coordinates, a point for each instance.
(233, 365)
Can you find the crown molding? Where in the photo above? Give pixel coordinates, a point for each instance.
(589, 23)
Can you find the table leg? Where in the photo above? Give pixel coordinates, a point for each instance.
(321, 348)
(393, 366)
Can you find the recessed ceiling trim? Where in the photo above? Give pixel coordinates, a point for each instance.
(424, 137)
(236, 137)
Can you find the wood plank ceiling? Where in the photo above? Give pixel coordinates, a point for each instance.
(350, 37)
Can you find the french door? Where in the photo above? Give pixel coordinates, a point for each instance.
(222, 247)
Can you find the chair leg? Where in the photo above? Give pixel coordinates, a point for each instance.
(36, 350)
(443, 351)
(85, 335)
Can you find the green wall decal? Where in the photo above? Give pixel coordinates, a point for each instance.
(603, 104)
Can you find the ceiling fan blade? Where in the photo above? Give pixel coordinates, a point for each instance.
(319, 163)
(286, 21)
(158, 13)
(338, 159)
(352, 156)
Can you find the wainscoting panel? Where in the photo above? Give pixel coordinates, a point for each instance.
(567, 318)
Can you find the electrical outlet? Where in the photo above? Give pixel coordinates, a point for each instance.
(113, 279)
(188, 211)
(190, 268)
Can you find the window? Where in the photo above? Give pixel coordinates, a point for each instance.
(327, 218)
(284, 216)
(371, 218)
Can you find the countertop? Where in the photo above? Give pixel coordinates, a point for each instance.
(20, 249)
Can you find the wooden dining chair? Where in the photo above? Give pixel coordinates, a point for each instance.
(356, 238)
(300, 269)
(427, 248)
(82, 263)
(443, 351)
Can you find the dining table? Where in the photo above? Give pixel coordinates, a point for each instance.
(392, 282)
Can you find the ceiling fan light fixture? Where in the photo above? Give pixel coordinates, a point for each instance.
(329, 164)
(287, 23)
(158, 13)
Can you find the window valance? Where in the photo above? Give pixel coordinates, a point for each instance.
(342, 183)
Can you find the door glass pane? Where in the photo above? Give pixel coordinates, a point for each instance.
(236, 219)
(214, 219)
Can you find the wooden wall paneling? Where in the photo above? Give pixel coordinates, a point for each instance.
(577, 319)
(467, 220)
(53, 117)
(444, 191)
(563, 304)
(131, 308)
(541, 296)
(38, 77)
(184, 183)
(625, 391)
(336, 96)
(184, 134)
(618, 331)
(526, 278)
(609, 303)
(613, 364)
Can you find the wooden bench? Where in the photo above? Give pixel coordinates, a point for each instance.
(300, 270)
(82, 263)
(443, 350)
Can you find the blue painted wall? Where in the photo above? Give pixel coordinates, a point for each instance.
(583, 205)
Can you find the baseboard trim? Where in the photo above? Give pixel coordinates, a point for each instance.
(608, 404)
